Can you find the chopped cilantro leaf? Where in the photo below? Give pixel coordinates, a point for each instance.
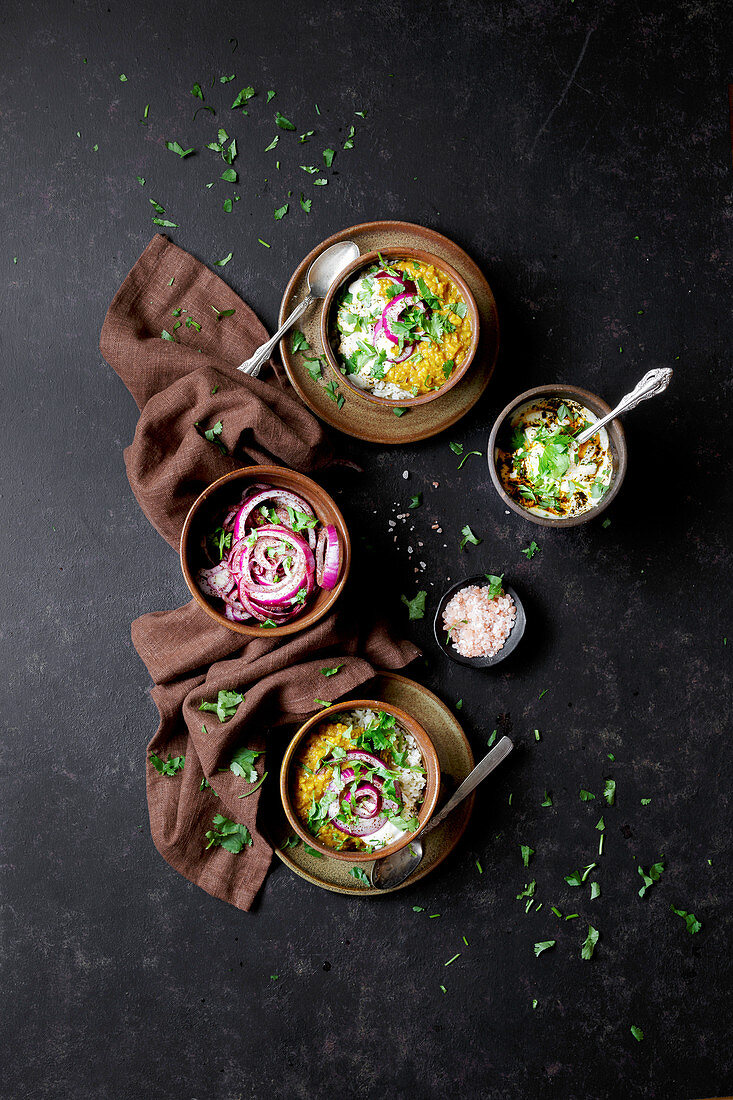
(416, 606)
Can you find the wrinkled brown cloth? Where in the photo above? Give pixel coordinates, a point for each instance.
(187, 654)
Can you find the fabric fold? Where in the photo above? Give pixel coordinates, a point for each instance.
(184, 385)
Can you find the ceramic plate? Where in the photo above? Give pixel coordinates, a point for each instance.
(364, 419)
(456, 761)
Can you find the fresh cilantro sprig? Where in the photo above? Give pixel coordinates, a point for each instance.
(225, 706)
(228, 834)
(172, 766)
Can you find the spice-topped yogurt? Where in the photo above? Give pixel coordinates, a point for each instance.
(542, 467)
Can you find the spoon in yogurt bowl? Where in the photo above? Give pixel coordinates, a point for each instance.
(654, 381)
(324, 271)
(393, 870)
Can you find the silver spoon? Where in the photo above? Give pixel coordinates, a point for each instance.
(322, 273)
(654, 382)
(392, 870)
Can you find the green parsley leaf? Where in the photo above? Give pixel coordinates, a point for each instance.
(495, 585)
(637, 1033)
(225, 261)
(229, 175)
(586, 796)
(226, 79)
(328, 155)
(315, 370)
(281, 212)
(333, 392)
(527, 853)
(548, 800)
(543, 945)
(360, 876)
(270, 95)
(692, 924)
(491, 739)
(141, 180)
(399, 411)
(291, 842)
(227, 206)
(123, 78)
(306, 847)
(595, 891)
(416, 606)
(457, 448)
(332, 671)
(609, 791)
(306, 203)
(165, 335)
(349, 143)
(299, 341)
(228, 834)
(589, 945)
(171, 766)
(273, 143)
(242, 97)
(176, 148)
(650, 877)
(196, 92)
(166, 224)
(415, 501)
(645, 801)
(283, 122)
(220, 313)
(243, 764)
(225, 706)
(323, 702)
(468, 536)
(320, 182)
(531, 550)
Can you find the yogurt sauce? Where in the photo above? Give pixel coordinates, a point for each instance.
(544, 469)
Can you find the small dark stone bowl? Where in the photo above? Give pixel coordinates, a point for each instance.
(509, 645)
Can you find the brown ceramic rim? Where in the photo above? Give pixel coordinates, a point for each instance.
(616, 437)
(397, 253)
(432, 786)
(423, 870)
(410, 431)
(324, 507)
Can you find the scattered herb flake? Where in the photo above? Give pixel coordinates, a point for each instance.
(609, 791)
(692, 924)
(177, 149)
(637, 1033)
(416, 606)
(281, 212)
(531, 550)
(283, 122)
(527, 853)
(543, 945)
(360, 876)
(468, 536)
(225, 261)
(171, 766)
(589, 945)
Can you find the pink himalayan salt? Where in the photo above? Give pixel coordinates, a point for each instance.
(478, 626)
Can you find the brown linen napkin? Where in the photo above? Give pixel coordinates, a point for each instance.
(189, 657)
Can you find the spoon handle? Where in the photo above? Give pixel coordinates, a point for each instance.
(654, 382)
(253, 365)
(471, 782)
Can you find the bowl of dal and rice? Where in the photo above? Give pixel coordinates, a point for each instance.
(360, 780)
(399, 327)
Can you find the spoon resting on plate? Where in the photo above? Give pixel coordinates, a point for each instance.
(654, 381)
(324, 270)
(392, 870)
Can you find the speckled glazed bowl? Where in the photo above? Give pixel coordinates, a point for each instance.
(363, 262)
(430, 761)
(616, 437)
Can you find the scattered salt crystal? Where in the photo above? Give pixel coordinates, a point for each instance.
(436, 484)
(409, 549)
(405, 473)
(391, 522)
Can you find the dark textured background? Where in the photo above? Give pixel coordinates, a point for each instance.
(585, 201)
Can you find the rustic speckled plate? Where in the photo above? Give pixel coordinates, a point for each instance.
(366, 419)
(456, 761)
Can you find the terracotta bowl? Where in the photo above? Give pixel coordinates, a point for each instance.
(432, 784)
(616, 437)
(228, 489)
(397, 253)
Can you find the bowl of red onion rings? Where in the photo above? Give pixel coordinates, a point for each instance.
(265, 550)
